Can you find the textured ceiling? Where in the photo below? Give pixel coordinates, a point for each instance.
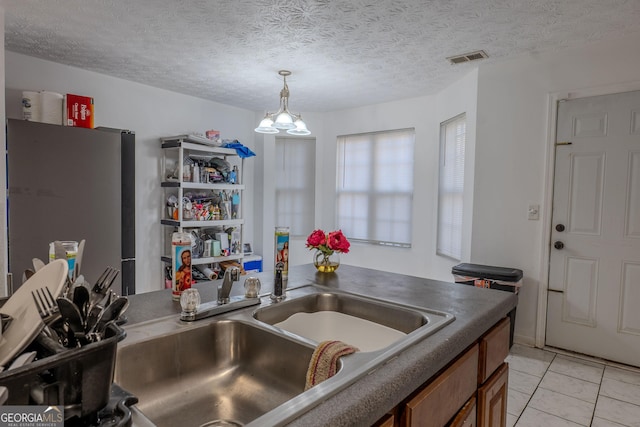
(343, 53)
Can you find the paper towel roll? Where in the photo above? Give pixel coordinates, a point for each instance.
(212, 275)
(31, 103)
(51, 110)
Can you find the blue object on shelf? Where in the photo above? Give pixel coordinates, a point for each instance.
(252, 263)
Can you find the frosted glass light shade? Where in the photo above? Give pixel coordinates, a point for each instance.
(301, 128)
(266, 126)
(284, 121)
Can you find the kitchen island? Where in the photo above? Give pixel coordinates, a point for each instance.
(364, 402)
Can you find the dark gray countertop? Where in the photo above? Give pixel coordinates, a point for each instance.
(364, 402)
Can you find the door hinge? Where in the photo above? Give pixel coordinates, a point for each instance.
(563, 143)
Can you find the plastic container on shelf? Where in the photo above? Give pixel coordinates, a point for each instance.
(252, 263)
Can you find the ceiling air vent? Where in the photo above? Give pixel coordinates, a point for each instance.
(467, 57)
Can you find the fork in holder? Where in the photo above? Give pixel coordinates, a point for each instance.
(46, 305)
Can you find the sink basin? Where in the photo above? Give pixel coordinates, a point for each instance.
(367, 324)
(223, 370)
(247, 367)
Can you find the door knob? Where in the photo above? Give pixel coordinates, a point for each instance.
(558, 245)
(560, 227)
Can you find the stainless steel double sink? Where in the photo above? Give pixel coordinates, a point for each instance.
(239, 369)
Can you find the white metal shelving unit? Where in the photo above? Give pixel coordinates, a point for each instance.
(176, 149)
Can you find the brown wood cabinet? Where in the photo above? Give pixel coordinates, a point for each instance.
(467, 416)
(470, 392)
(439, 401)
(388, 420)
(494, 348)
(492, 399)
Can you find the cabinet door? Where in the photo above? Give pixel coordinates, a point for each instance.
(386, 421)
(441, 399)
(492, 399)
(494, 348)
(467, 415)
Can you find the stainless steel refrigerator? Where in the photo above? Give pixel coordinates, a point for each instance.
(69, 183)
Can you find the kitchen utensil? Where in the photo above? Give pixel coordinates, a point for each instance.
(100, 288)
(71, 317)
(26, 322)
(81, 299)
(92, 318)
(37, 264)
(46, 305)
(111, 280)
(102, 277)
(112, 312)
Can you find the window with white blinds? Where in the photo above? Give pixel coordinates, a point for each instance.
(375, 187)
(295, 184)
(451, 187)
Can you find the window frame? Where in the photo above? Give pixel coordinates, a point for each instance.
(372, 193)
(308, 220)
(455, 224)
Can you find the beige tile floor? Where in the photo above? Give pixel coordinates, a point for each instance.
(557, 389)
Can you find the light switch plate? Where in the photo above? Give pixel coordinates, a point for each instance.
(533, 212)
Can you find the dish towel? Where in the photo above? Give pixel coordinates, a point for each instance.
(324, 361)
(242, 151)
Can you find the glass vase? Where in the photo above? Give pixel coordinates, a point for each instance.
(326, 263)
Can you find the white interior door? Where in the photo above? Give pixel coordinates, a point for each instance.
(594, 271)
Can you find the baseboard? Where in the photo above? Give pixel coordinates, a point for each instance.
(524, 340)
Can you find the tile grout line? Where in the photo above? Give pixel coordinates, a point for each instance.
(555, 415)
(534, 391)
(593, 415)
(603, 363)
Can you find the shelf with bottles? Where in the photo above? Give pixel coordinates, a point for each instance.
(201, 186)
(203, 224)
(210, 245)
(207, 260)
(189, 165)
(203, 208)
(210, 242)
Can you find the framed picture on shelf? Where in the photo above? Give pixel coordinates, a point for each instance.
(247, 249)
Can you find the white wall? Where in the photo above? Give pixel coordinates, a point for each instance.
(513, 154)
(264, 217)
(151, 113)
(425, 115)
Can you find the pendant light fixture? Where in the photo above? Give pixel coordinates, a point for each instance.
(283, 119)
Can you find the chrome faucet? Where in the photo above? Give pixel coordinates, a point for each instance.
(231, 274)
(193, 310)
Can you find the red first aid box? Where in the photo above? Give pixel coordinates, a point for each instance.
(78, 111)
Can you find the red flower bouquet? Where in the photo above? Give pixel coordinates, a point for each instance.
(327, 246)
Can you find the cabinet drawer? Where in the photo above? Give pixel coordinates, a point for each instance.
(388, 420)
(492, 399)
(494, 348)
(467, 415)
(439, 401)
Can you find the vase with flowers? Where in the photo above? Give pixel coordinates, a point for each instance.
(328, 246)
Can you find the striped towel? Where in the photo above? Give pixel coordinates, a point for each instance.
(324, 361)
